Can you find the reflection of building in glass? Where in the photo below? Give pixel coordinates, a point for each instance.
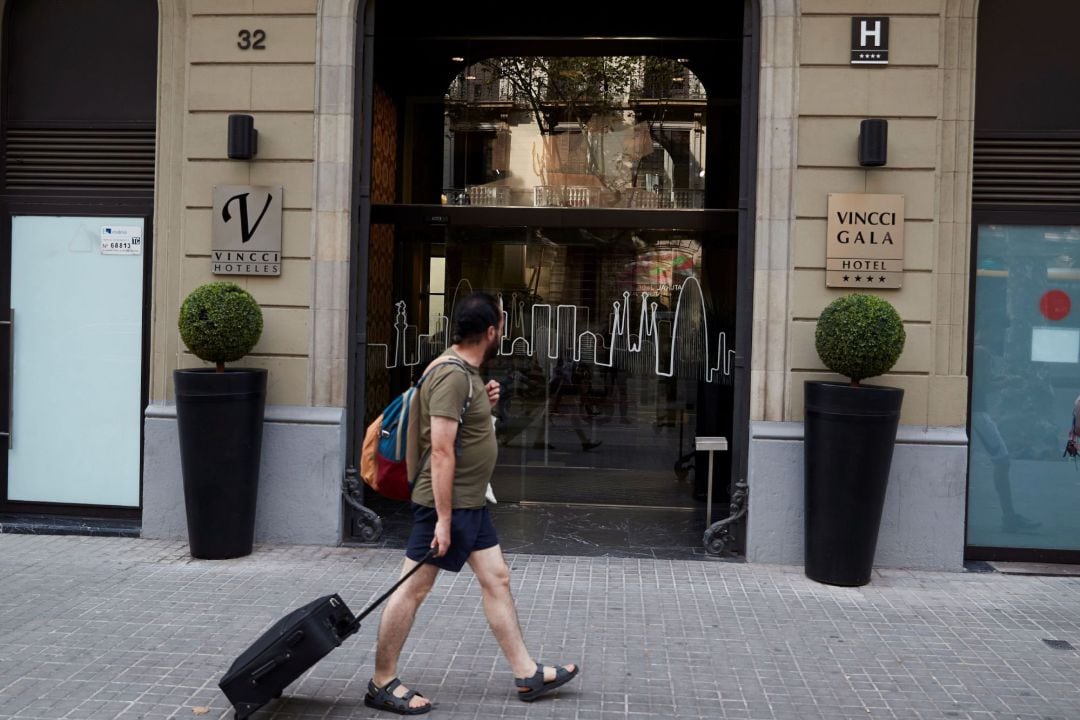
(647, 339)
(576, 132)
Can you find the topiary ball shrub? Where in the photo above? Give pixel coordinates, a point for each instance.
(220, 322)
(859, 336)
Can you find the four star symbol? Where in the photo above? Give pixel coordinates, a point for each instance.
(868, 278)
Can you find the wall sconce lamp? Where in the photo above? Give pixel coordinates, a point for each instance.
(243, 137)
(873, 142)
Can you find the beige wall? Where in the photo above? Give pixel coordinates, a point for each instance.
(204, 77)
(812, 101)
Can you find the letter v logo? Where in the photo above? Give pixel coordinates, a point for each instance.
(245, 232)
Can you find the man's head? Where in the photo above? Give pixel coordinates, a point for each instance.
(478, 321)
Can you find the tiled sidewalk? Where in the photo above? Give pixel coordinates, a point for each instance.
(122, 628)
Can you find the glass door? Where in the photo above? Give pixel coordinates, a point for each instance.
(76, 360)
(1025, 389)
(615, 355)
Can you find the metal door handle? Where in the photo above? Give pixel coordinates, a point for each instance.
(10, 322)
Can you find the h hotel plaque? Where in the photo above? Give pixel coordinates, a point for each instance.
(246, 230)
(865, 244)
(869, 41)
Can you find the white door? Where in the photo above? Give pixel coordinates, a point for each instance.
(76, 301)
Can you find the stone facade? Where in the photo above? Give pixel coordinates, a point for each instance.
(300, 90)
(811, 103)
(277, 86)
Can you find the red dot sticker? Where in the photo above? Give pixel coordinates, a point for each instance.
(1055, 305)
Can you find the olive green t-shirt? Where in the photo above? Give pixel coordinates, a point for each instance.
(443, 394)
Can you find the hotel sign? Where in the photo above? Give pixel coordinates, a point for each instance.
(246, 230)
(869, 41)
(865, 244)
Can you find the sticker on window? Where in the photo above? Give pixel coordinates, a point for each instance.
(121, 240)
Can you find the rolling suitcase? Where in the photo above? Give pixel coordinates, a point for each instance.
(293, 645)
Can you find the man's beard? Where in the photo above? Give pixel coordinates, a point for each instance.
(492, 349)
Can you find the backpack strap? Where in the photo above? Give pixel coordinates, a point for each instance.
(414, 460)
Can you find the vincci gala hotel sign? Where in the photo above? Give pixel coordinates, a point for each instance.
(865, 244)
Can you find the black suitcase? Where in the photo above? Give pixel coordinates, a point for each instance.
(292, 646)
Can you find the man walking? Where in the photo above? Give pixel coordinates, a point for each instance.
(451, 515)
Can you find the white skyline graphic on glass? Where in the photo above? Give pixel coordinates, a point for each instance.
(668, 343)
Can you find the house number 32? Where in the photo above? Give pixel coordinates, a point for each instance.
(252, 40)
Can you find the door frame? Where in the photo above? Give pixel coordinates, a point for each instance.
(990, 215)
(129, 206)
(746, 209)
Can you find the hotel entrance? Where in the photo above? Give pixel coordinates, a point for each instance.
(593, 187)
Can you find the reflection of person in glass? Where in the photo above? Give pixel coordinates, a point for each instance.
(985, 429)
(523, 401)
(576, 383)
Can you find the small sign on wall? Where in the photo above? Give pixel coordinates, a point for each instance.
(869, 41)
(246, 235)
(865, 244)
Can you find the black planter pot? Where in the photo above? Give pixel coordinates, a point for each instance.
(220, 416)
(850, 433)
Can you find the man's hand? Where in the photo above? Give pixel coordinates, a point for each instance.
(441, 541)
(493, 388)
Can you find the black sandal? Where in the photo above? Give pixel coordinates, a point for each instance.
(536, 685)
(383, 698)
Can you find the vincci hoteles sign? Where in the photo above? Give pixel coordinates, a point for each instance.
(865, 244)
(246, 232)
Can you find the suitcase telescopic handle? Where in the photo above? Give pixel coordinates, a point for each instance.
(388, 593)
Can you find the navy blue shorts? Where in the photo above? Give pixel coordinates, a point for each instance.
(470, 529)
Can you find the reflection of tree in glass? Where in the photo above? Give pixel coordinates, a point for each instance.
(597, 94)
(567, 89)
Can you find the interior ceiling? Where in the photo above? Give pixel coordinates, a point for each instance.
(629, 19)
(413, 36)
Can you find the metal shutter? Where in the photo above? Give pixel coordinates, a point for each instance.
(1026, 171)
(78, 159)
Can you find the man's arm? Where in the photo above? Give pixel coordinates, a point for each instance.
(443, 436)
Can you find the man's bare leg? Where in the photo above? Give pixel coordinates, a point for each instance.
(494, 577)
(395, 624)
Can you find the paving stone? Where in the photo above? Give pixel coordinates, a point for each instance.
(116, 628)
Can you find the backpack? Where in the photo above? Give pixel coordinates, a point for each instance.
(388, 459)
